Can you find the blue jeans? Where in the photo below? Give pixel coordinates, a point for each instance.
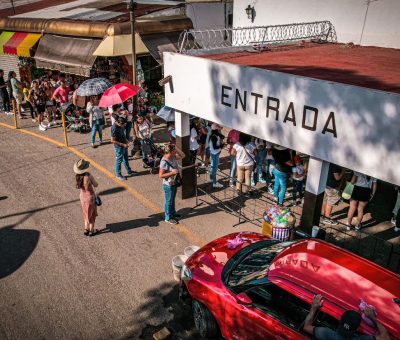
(128, 129)
(96, 128)
(169, 204)
(122, 157)
(298, 188)
(260, 161)
(214, 167)
(281, 179)
(232, 173)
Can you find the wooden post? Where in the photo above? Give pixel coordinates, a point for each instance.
(64, 128)
(15, 113)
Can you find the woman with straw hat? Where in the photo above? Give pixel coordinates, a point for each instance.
(86, 183)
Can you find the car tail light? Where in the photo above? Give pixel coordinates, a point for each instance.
(186, 274)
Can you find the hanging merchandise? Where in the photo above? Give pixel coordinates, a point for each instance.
(139, 71)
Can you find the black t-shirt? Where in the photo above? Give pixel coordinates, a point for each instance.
(281, 157)
(118, 132)
(2, 83)
(331, 181)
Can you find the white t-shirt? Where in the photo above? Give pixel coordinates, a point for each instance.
(298, 169)
(362, 180)
(194, 145)
(244, 158)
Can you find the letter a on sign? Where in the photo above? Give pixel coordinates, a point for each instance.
(290, 116)
(333, 129)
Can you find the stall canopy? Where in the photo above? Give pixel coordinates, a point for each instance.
(18, 43)
(119, 45)
(161, 42)
(70, 55)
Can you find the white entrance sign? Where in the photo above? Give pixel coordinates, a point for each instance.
(352, 126)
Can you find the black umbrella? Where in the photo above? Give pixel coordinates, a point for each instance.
(93, 87)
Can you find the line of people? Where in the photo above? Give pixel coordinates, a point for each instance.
(43, 97)
(252, 160)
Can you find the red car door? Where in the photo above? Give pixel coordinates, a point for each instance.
(244, 321)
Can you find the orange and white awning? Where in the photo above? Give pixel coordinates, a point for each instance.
(18, 43)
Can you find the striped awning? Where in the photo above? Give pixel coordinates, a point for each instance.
(18, 43)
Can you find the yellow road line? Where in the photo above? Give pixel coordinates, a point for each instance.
(181, 228)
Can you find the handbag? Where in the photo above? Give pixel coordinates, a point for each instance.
(98, 201)
(348, 190)
(175, 180)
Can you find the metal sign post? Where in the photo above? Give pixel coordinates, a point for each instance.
(64, 128)
(14, 102)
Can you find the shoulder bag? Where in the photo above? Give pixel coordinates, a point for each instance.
(176, 180)
(255, 172)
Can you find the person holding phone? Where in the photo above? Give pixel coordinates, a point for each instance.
(168, 170)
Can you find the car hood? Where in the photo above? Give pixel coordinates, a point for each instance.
(207, 263)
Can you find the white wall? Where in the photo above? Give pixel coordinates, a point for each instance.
(206, 15)
(367, 121)
(382, 26)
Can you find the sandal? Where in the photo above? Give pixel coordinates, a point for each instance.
(86, 232)
(94, 232)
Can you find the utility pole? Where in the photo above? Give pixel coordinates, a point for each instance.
(132, 7)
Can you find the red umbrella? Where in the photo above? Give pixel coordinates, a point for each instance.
(118, 94)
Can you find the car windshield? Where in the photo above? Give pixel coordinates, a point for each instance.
(254, 266)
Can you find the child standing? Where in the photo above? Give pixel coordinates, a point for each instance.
(298, 179)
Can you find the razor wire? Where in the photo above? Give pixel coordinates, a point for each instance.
(212, 39)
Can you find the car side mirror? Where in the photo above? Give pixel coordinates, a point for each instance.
(243, 299)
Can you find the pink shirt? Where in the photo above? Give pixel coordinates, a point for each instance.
(233, 137)
(63, 94)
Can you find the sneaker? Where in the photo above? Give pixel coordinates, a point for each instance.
(217, 185)
(42, 125)
(358, 227)
(270, 190)
(9, 113)
(42, 128)
(393, 221)
(275, 199)
(171, 221)
(232, 185)
(121, 178)
(348, 227)
(329, 221)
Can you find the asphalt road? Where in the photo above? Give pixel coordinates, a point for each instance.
(54, 281)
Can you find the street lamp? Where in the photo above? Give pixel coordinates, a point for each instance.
(250, 12)
(132, 7)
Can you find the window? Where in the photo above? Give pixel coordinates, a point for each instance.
(283, 306)
(252, 267)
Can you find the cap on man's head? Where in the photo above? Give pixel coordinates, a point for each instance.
(349, 323)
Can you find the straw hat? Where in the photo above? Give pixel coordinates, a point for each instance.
(81, 166)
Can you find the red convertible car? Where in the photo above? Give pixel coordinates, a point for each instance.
(261, 288)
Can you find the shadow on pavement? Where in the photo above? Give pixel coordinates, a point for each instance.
(16, 245)
(111, 191)
(32, 211)
(151, 221)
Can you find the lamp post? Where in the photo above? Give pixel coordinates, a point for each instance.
(132, 7)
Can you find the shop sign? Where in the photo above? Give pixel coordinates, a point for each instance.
(271, 108)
